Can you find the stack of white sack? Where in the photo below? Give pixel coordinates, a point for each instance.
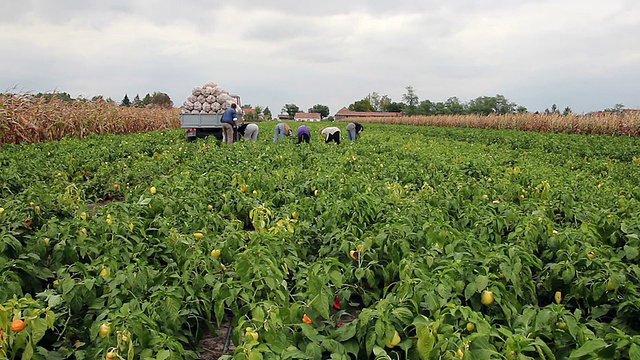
(208, 99)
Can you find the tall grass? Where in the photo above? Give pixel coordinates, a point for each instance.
(26, 118)
(626, 123)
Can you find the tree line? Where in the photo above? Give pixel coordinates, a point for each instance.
(157, 98)
(411, 105)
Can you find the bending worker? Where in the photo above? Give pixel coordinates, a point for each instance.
(331, 133)
(303, 134)
(281, 131)
(249, 131)
(354, 129)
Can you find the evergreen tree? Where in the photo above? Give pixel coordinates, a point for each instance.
(147, 100)
(125, 101)
(137, 102)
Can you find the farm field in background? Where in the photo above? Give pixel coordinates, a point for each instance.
(624, 123)
(415, 242)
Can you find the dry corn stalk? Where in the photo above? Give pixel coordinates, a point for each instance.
(605, 124)
(26, 118)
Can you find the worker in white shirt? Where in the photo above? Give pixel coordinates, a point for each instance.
(331, 133)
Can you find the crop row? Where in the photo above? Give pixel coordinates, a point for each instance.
(413, 242)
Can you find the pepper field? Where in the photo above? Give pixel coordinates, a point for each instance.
(414, 242)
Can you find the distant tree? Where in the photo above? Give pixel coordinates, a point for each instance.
(567, 111)
(162, 100)
(411, 100)
(259, 116)
(125, 101)
(554, 109)
(378, 101)
(394, 107)
(58, 95)
(453, 106)
(521, 109)
(267, 113)
(483, 105)
(246, 106)
(440, 108)
(486, 105)
(617, 109)
(362, 105)
(291, 110)
(426, 107)
(323, 110)
(97, 99)
(146, 100)
(137, 102)
(503, 106)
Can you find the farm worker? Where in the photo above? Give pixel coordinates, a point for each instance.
(281, 131)
(249, 131)
(331, 133)
(353, 129)
(229, 122)
(303, 134)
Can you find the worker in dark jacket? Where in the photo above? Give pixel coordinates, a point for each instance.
(354, 129)
(249, 131)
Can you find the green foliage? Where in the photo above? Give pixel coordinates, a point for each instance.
(146, 100)
(137, 102)
(393, 107)
(161, 99)
(411, 100)
(291, 110)
(125, 101)
(361, 105)
(400, 232)
(323, 110)
(267, 113)
(59, 95)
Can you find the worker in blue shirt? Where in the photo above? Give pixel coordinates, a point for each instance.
(229, 123)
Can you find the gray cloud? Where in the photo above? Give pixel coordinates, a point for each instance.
(582, 54)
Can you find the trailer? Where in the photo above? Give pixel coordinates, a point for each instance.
(199, 126)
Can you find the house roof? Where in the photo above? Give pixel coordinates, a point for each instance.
(304, 115)
(346, 112)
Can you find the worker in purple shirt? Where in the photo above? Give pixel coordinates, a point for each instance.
(303, 134)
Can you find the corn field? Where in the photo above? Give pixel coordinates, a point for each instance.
(626, 123)
(26, 118)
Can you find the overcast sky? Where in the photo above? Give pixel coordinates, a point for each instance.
(584, 54)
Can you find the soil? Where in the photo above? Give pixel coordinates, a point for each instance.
(213, 343)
